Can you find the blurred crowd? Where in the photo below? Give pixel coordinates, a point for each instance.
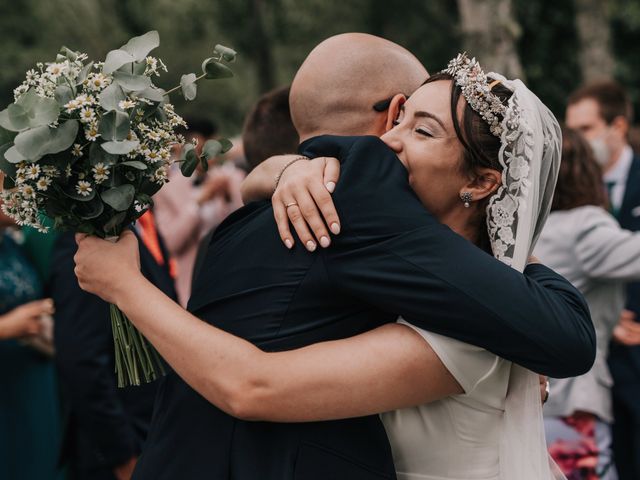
(63, 417)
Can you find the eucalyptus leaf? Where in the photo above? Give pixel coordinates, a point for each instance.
(119, 198)
(189, 86)
(64, 94)
(131, 82)
(189, 165)
(14, 118)
(139, 47)
(185, 149)
(116, 59)
(6, 136)
(226, 144)
(139, 68)
(211, 149)
(84, 73)
(98, 155)
(120, 147)
(134, 164)
(7, 167)
(113, 225)
(227, 54)
(12, 155)
(114, 125)
(89, 210)
(152, 93)
(111, 97)
(69, 54)
(29, 110)
(214, 69)
(36, 142)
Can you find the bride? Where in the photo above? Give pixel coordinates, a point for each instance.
(479, 416)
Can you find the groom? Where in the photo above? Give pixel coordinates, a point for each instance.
(392, 258)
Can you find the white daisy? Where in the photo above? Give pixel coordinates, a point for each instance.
(84, 188)
(32, 172)
(97, 81)
(100, 172)
(56, 69)
(87, 115)
(71, 105)
(43, 184)
(126, 104)
(91, 133)
(76, 151)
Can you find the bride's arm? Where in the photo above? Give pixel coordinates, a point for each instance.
(388, 368)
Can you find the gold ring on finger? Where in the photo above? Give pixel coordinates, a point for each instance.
(291, 204)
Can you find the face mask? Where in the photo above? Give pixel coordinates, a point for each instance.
(601, 151)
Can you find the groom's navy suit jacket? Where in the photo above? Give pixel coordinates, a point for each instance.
(392, 258)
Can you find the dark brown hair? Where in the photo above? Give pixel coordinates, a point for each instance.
(580, 176)
(481, 147)
(268, 129)
(611, 97)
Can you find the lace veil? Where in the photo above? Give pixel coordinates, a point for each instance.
(530, 156)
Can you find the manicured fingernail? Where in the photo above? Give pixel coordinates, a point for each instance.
(324, 242)
(288, 243)
(331, 186)
(335, 228)
(311, 246)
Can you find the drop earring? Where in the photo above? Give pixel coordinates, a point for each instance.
(466, 197)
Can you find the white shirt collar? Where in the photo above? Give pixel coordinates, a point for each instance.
(620, 171)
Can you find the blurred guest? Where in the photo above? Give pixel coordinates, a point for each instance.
(603, 113)
(187, 208)
(29, 413)
(105, 425)
(584, 243)
(268, 129)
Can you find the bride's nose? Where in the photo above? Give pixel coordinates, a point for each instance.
(392, 139)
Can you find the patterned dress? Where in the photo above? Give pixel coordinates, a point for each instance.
(29, 407)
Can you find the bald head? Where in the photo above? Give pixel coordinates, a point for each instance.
(343, 77)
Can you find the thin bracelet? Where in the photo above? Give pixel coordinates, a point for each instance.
(288, 164)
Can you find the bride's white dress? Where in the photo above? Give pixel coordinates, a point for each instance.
(456, 438)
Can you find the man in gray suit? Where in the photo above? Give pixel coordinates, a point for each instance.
(603, 112)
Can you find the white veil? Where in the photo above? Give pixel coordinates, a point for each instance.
(530, 155)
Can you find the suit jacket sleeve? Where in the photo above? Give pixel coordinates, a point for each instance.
(84, 348)
(394, 255)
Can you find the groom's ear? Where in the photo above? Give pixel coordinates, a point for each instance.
(394, 110)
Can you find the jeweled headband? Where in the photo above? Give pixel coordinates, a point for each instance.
(477, 92)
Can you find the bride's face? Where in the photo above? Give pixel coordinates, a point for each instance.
(426, 143)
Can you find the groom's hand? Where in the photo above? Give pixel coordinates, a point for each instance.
(105, 268)
(125, 471)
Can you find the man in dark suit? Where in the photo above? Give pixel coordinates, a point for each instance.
(105, 426)
(603, 112)
(392, 257)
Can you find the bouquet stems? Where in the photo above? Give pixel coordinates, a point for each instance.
(135, 358)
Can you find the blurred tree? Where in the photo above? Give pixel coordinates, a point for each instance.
(594, 30)
(490, 33)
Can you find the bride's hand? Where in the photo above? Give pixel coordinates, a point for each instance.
(105, 268)
(303, 196)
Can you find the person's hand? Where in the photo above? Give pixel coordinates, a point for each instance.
(125, 471)
(532, 260)
(217, 184)
(627, 332)
(544, 393)
(303, 196)
(105, 268)
(25, 320)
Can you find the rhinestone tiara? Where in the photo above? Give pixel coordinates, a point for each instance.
(470, 77)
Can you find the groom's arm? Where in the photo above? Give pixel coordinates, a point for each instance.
(394, 255)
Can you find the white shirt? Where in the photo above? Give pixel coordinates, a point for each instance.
(618, 176)
(458, 437)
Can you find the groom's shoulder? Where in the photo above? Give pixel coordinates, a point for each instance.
(363, 158)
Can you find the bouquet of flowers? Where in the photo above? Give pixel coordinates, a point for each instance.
(86, 145)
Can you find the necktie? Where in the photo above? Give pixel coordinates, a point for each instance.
(149, 235)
